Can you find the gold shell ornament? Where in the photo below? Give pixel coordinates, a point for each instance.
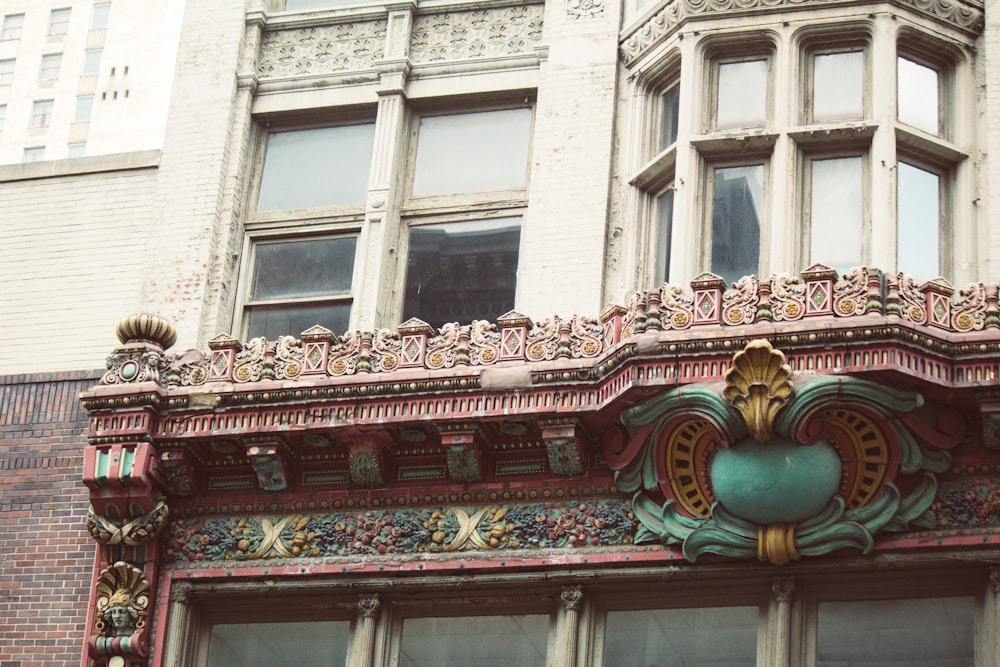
(759, 385)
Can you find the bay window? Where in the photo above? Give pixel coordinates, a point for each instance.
(741, 94)
(737, 199)
(836, 213)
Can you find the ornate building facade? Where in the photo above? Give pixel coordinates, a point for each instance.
(777, 446)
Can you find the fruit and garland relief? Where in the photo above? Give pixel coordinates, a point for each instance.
(763, 424)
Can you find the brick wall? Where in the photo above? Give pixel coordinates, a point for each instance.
(46, 556)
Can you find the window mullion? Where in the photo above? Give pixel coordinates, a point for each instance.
(883, 171)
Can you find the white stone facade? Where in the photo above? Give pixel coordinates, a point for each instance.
(172, 232)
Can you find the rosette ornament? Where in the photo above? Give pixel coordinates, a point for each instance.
(779, 467)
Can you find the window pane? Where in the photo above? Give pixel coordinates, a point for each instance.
(49, 70)
(484, 641)
(59, 22)
(462, 271)
(664, 225)
(91, 62)
(918, 209)
(12, 25)
(76, 149)
(838, 81)
(99, 19)
(668, 123)
(293, 319)
(472, 152)
(736, 201)
(6, 72)
(918, 96)
(84, 107)
(322, 267)
(742, 94)
(836, 213)
(326, 166)
(715, 637)
(33, 154)
(933, 632)
(278, 644)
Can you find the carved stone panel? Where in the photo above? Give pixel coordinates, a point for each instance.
(481, 33)
(321, 50)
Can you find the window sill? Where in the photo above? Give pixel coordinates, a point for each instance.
(750, 142)
(656, 172)
(855, 134)
(925, 145)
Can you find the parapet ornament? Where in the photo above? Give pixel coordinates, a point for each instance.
(779, 471)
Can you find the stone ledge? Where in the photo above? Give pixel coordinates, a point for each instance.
(81, 165)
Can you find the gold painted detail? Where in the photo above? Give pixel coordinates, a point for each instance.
(867, 459)
(776, 544)
(686, 459)
(759, 385)
(122, 600)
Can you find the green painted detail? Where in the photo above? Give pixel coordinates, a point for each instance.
(828, 390)
(775, 482)
(512, 468)
(127, 464)
(690, 401)
(103, 462)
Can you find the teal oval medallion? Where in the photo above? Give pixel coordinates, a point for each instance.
(779, 481)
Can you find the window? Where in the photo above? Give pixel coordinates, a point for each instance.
(670, 111)
(76, 149)
(741, 94)
(304, 230)
(837, 229)
(12, 26)
(278, 644)
(299, 283)
(737, 195)
(517, 640)
(84, 108)
(918, 210)
(664, 232)
(91, 62)
(462, 265)
(41, 113)
(917, 91)
(838, 86)
(6, 72)
(3, 115)
(33, 154)
(99, 19)
(316, 168)
(48, 73)
(59, 22)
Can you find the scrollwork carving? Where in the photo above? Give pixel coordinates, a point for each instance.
(321, 50)
(480, 33)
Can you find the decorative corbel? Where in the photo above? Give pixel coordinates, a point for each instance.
(564, 443)
(367, 461)
(270, 464)
(465, 449)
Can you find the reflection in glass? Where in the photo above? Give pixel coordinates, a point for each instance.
(326, 166)
(932, 632)
(838, 81)
(917, 89)
(705, 637)
(836, 213)
(296, 270)
(278, 644)
(668, 121)
(664, 225)
(736, 200)
(742, 94)
(462, 271)
(472, 152)
(483, 641)
(918, 210)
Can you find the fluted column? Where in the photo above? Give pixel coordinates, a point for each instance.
(363, 648)
(571, 598)
(783, 589)
(178, 625)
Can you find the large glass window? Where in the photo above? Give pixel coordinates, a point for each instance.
(484, 641)
(737, 195)
(279, 644)
(702, 637)
(299, 283)
(930, 632)
(664, 229)
(472, 152)
(462, 271)
(835, 213)
(741, 94)
(316, 168)
(669, 114)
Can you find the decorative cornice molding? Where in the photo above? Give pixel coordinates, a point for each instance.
(966, 15)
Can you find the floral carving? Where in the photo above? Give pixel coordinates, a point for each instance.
(969, 308)
(132, 532)
(582, 10)
(543, 339)
(912, 303)
(484, 343)
(321, 50)
(478, 33)
(676, 307)
(850, 294)
(401, 531)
